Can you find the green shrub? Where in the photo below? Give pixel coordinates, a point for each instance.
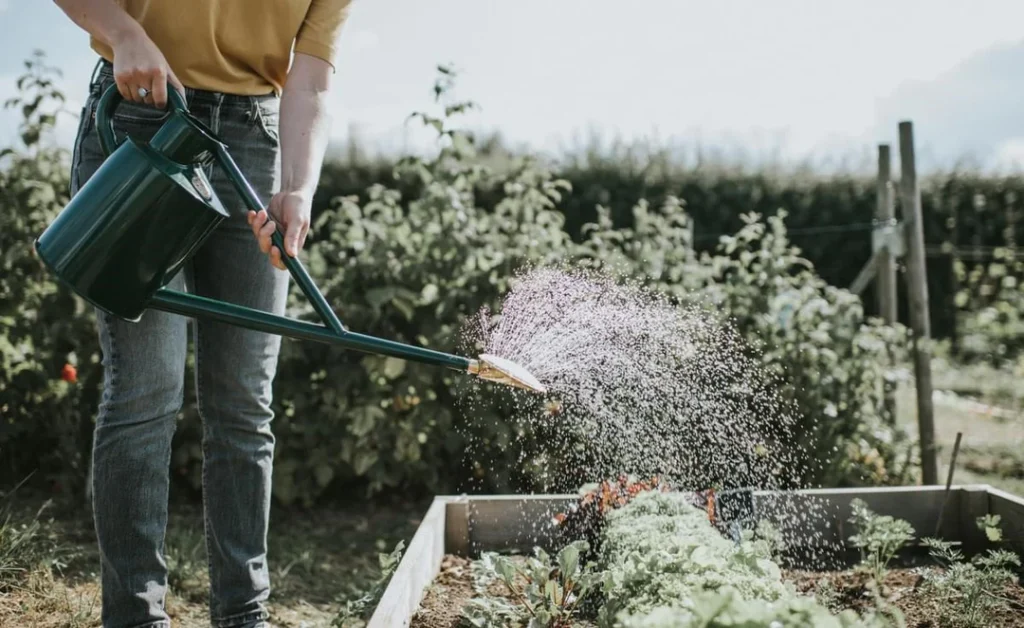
(991, 308)
(832, 363)
(414, 268)
(830, 213)
(413, 272)
(49, 355)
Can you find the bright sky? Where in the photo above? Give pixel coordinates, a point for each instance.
(807, 76)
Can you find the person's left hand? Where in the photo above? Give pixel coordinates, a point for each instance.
(290, 208)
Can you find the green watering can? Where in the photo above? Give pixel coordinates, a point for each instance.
(148, 209)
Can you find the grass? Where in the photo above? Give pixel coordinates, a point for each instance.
(984, 407)
(319, 560)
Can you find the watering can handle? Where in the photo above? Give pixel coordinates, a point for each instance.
(108, 104)
(104, 122)
(294, 266)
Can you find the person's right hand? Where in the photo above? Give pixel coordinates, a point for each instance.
(139, 63)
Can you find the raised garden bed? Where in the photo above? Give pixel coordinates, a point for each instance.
(460, 536)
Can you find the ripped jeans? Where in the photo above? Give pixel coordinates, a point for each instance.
(144, 373)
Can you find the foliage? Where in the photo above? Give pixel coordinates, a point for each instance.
(355, 613)
(187, 566)
(660, 549)
(830, 213)
(830, 361)
(989, 524)
(412, 272)
(668, 567)
(970, 590)
(544, 593)
(49, 355)
(412, 261)
(727, 609)
(990, 300)
(879, 538)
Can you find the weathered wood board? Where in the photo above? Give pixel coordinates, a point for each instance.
(468, 525)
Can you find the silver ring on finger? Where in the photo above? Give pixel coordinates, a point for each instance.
(143, 92)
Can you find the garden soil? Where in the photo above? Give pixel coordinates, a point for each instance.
(900, 588)
(453, 588)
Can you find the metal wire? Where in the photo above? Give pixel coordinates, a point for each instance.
(837, 228)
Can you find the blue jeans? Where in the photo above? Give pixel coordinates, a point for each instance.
(144, 372)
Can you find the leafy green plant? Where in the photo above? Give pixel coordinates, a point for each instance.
(772, 535)
(668, 566)
(727, 609)
(989, 524)
(660, 550)
(826, 595)
(49, 355)
(543, 593)
(879, 538)
(355, 613)
(187, 567)
(968, 590)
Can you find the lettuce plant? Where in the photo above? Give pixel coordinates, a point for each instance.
(879, 538)
(669, 567)
(543, 593)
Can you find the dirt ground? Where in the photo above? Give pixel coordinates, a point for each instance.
(319, 560)
(985, 405)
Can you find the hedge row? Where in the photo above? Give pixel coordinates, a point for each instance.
(828, 216)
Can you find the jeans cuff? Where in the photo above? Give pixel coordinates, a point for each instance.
(250, 619)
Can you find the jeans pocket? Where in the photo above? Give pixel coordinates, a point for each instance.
(86, 125)
(267, 109)
(129, 112)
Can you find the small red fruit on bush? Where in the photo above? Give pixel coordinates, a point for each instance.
(69, 374)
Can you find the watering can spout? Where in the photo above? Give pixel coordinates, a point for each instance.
(503, 371)
(150, 206)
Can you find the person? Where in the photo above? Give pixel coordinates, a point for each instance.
(258, 73)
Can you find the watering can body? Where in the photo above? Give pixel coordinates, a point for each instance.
(130, 229)
(146, 211)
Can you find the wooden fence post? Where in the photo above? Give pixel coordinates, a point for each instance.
(954, 263)
(885, 212)
(917, 289)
